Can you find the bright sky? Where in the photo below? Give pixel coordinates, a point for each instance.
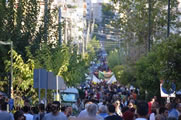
(179, 5)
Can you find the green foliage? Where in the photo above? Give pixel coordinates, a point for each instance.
(107, 9)
(169, 56)
(124, 74)
(18, 22)
(34, 48)
(114, 58)
(147, 74)
(22, 79)
(133, 20)
(93, 46)
(163, 60)
(160, 64)
(108, 14)
(71, 6)
(111, 45)
(63, 61)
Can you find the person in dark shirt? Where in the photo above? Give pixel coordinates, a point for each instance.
(112, 115)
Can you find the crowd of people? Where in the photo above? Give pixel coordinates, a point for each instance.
(100, 102)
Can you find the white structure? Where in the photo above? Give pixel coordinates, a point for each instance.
(76, 16)
(94, 9)
(73, 14)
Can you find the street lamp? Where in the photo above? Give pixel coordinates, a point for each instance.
(10, 83)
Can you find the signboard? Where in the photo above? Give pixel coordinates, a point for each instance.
(47, 80)
(35, 78)
(165, 93)
(61, 83)
(51, 80)
(40, 75)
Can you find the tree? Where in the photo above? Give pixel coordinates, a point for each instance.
(63, 61)
(124, 74)
(160, 63)
(115, 58)
(169, 55)
(23, 79)
(18, 22)
(133, 21)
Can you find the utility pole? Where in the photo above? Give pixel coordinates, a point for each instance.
(88, 34)
(83, 46)
(92, 27)
(59, 21)
(168, 24)
(65, 36)
(119, 52)
(70, 29)
(11, 81)
(46, 20)
(149, 26)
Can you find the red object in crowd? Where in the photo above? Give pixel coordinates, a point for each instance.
(149, 107)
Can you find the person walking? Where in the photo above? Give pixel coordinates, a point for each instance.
(55, 114)
(18, 115)
(112, 115)
(26, 110)
(142, 110)
(4, 115)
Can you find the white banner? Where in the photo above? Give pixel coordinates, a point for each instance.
(164, 93)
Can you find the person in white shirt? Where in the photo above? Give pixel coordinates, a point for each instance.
(153, 112)
(84, 112)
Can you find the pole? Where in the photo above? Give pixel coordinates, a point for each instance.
(168, 24)
(83, 46)
(149, 27)
(57, 88)
(65, 31)
(46, 90)
(45, 20)
(60, 40)
(119, 52)
(39, 90)
(87, 38)
(92, 28)
(11, 81)
(168, 99)
(70, 29)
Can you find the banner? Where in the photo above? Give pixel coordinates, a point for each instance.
(105, 75)
(95, 79)
(112, 80)
(166, 93)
